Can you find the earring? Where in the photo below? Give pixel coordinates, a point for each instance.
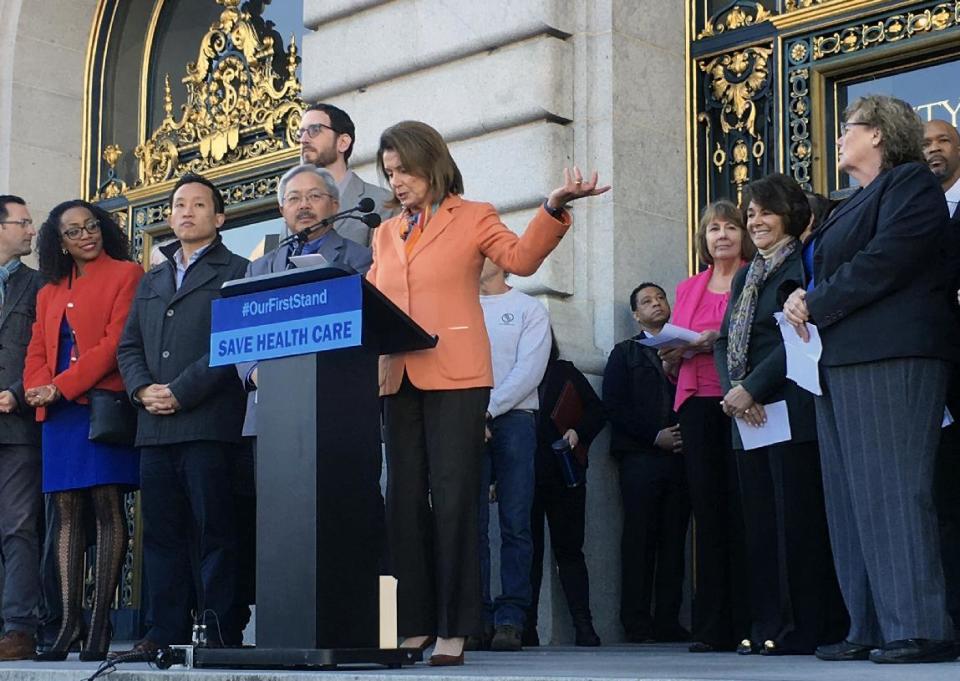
(63, 250)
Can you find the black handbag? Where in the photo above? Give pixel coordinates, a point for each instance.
(113, 418)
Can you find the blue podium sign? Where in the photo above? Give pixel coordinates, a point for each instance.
(294, 320)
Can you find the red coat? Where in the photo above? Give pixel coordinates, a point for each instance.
(96, 306)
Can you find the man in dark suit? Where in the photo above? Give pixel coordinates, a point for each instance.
(941, 149)
(326, 137)
(638, 400)
(20, 497)
(189, 421)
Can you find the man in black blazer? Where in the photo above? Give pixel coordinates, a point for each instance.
(20, 497)
(638, 401)
(941, 149)
(189, 423)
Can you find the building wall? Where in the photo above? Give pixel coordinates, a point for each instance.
(43, 48)
(521, 90)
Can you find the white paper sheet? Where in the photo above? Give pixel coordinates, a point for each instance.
(803, 359)
(947, 418)
(776, 429)
(310, 260)
(670, 337)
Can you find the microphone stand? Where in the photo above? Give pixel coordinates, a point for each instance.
(304, 235)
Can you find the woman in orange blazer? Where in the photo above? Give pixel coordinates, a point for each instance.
(80, 315)
(427, 260)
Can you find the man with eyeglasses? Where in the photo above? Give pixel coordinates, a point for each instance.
(326, 137)
(306, 195)
(20, 497)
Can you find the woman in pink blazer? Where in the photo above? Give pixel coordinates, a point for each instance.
(427, 260)
(720, 608)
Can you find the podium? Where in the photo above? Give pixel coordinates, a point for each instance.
(317, 334)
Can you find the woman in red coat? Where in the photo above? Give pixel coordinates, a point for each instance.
(80, 314)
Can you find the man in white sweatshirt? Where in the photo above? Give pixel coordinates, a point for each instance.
(519, 330)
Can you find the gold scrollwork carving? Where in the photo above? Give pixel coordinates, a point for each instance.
(892, 29)
(237, 106)
(732, 18)
(113, 186)
(737, 88)
(793, 5)
(735, 80)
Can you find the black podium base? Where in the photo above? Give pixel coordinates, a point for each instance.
(302, 658)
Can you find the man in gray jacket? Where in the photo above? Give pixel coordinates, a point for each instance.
(306, 195)
(326, 140)
(20, 497)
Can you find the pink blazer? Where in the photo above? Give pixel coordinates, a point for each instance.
(689, 293)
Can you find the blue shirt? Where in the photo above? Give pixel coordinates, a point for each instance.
(181, 270)
(808, 249)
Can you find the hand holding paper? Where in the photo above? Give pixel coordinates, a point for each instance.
(803, 358)
(775, 429)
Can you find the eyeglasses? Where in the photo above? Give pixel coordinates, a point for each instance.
(313, 130)
(309, 197)
(25, 222)
(845, 127)
(92, 227)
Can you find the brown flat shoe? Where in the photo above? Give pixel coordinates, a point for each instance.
(429, 641)
(446, 660)
(17, 645)
(145, 646)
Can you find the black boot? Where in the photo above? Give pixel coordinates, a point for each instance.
(70, 545)
(111, 546)
(585, 633)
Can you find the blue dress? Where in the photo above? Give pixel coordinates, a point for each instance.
(70, 459)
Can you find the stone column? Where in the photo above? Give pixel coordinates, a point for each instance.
(520, 90)
(41, 94)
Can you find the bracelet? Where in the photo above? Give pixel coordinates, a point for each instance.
(555, 213)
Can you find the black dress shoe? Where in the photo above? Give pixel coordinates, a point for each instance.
(745, 647)
(585, 635)
(640, 636)
(675, 634)
(701, 647)
(915, 650)
(845, 651)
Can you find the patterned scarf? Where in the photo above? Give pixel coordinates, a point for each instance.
(745, 307)
(6, 271)
(415, 224)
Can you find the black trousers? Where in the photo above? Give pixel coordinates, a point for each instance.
(946, 496)
(434, 443)
(564, 510)
(721, 607)
(795, 597)
(656, 514)
(187, 503)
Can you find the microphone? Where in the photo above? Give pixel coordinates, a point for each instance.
(365, 206)
(371, 220)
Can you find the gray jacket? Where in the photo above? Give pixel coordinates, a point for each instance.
(355, 190)
(16, 320)
(336, 250)
(167, 340)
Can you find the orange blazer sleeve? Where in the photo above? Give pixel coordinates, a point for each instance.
(94, 363)
(522, 254)
(35, 367)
